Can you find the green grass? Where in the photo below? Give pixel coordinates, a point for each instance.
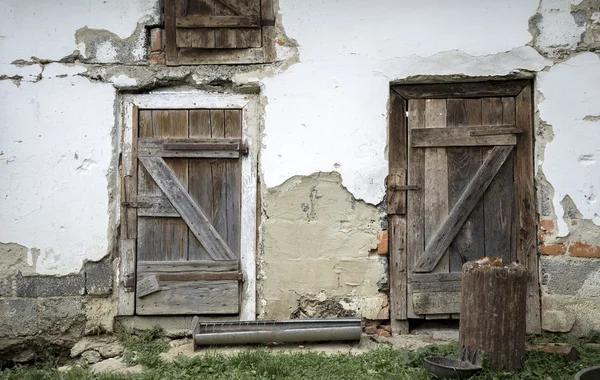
(381, 363)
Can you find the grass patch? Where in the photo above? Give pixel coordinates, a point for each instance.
(143, 348)
(381, 363)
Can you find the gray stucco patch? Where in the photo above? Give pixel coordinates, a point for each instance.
(566, 276)
(99, 277)
(50, 286)
(19, 317)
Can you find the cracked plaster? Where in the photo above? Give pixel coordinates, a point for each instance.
(325, 110)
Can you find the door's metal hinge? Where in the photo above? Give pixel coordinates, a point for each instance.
(136, 204)
(267, 22)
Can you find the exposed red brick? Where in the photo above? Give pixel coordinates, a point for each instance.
(157, 59)
(580, 249)
(547, 225)
(280, 42)
(384, 333)
(371, 329)
(382, 246)
(384, 313)
(387, 328)
(156, 39)
(553, 249)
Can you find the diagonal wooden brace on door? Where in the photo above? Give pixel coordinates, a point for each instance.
(462, 209)
(187, 208)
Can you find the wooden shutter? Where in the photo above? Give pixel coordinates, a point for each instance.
(187, 209)
(219, 31)
(466, 194)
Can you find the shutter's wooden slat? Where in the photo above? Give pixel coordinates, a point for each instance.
(458, 137)
(195, 21)
(469, 198)
(460, 90)
(187, 208)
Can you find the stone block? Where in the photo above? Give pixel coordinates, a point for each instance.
(50, 286)
(6, 287)
(557, 321)
(99, 277)
(61, 316)
(19, 317)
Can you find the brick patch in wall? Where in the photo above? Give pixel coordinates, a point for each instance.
(382, 245)
(553, 249)
(156, 40)
(580, 249)
(157, 59)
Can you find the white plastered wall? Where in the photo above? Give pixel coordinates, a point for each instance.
(326, 112)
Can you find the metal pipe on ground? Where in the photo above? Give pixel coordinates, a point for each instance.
(246, 332)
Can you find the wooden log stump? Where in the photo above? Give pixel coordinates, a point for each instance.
(492, 314)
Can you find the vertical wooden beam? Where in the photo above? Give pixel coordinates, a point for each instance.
(396, 211)
(415, 208)
(127, 249)
(170, 31)
(526, 228)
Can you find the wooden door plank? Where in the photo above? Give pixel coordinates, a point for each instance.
(463, 208)
(436, 179)
(460, 137)
(196, 21)
(415, 237)
(233, 130)
(460, 90)
(202, 297)
(463, 163)
(187, 208)
(159, 207)
(397, 254)
(498, 200)
(526, 238)
(178, 148)
(436, 302)
(397, 155)
(200, 186)
(396, 209)
(173, 124)
(149, 242)
(219, 178)
(195, 266)
(130, 187)
(127, 277)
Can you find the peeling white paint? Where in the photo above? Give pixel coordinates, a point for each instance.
(329, 112)
(558, 28)
(56, 148)
(123, 81)
(571, 92)
(46, 29)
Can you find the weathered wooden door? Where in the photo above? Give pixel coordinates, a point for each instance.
(461, 188)
(187, 211)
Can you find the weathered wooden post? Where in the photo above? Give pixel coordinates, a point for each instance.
(492, 314)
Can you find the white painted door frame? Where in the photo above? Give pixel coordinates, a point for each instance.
(206, 100)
